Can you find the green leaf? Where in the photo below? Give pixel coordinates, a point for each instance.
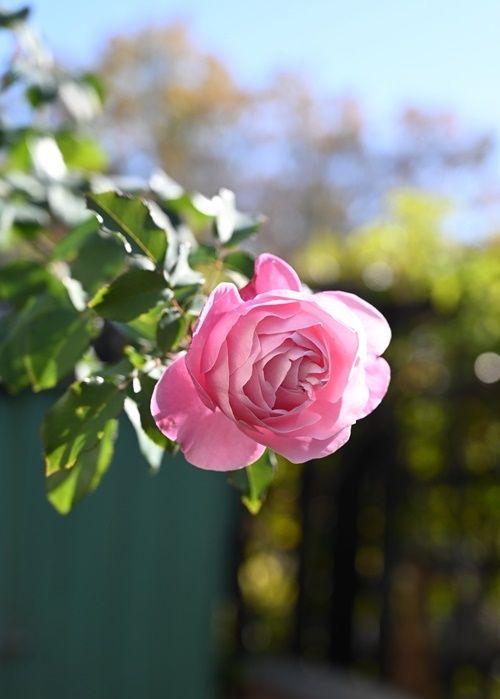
(194, 209)
(96, 83)
(144, 326)
(18, 158)
(55, 342)
(143, 402)
(133, 218)
(42, 94)
(107, 251)
(137, 360)
(240, 261)
(131, 294)
(254, 481)
(225, 221)
(15, 331)
(23, 213)
(68, 247)
(21, 280)
(8, 19)
(66, 206)
(171, 330)
(183, 275)
(203, 255)
(196, 305)
(185, 295)
(42, 344)
(66, 487)
(245, 226)
(81, 152)
(232, 226)
(80, 99)
(152, 452)
(79, 423)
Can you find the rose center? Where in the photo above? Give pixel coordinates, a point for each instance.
(289, 375)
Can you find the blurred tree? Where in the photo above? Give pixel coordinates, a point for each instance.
(307, 160)
(171, 104)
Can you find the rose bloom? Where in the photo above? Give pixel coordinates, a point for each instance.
(273, 365)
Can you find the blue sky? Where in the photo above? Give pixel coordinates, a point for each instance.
(442, 54)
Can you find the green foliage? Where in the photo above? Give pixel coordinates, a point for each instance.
(101, 277)
(42, 343)
(55, 341)
(23, 279)
(75, 423)
(132, 293)
(70, 245)
(152, 443)
(81, 153)
(142, 398)
(78, 434)
(240, 262)
(110, 255)
(254, 481)
(171, 329)
(66, 487)
(134, 218)
(9, 19)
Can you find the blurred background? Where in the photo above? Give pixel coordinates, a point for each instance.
(368, 136)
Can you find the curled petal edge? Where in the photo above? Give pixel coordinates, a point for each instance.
(208, 439)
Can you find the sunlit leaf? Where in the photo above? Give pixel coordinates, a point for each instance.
(68, 247)
(99, 260)
(196, 210)
(131, 217)
(42, 343)
(171, 329)
(131, 294)
(67, 486)
(46, 158)
(183, 275)
(232, 226)
(144, 326)
(245, 226)
(143, 402)
(81, 152)
(152, 452)
(240, 261)
(21, 280)
(55, 341)
(225, 220)
(202, 255)
(254, 481)
(65, 205)
(96, 83)
(185, 295)
(80, 99)
(78, 421)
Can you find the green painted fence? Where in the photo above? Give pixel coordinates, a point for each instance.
(117, 599)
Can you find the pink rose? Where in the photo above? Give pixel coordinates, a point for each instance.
(273, 365)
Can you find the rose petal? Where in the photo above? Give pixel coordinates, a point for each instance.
(339, 329)
(207, 438)
(271, 273)
(214, 323)
(301, 449)
(218, 315)
(377, 377)
(378, 332)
